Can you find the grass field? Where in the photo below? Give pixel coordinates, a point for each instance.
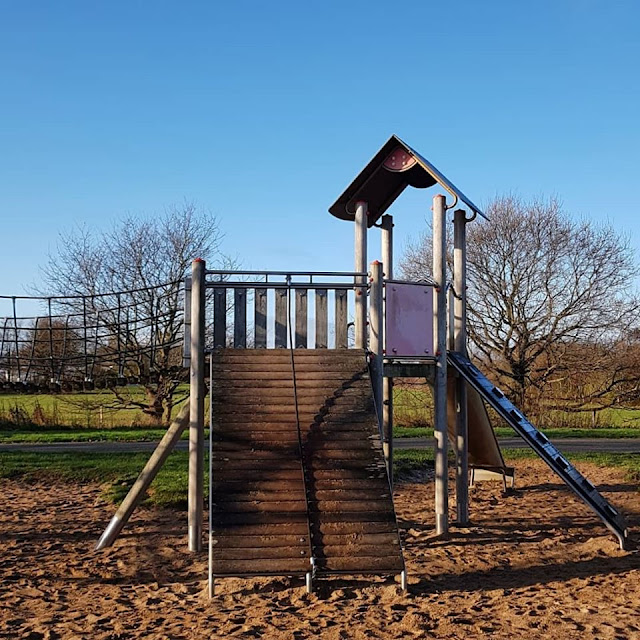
(508, 432)
(91, 417)
(118, 471)
(85, 410)
(412, 408)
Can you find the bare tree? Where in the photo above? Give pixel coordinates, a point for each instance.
(139, 332)
(543, 290)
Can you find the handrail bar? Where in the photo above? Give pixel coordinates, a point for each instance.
(226, 284)
(241, 272)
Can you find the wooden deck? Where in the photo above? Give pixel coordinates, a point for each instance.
(275, 506)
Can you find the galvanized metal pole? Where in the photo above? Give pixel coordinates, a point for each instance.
(140, 486)
(440, 378)
(376, 337)
(386, 224)
(196, 401)
(210, 510)
(460, 346)
(360, 254)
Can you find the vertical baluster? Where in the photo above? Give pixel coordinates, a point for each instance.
(261, 318)
(341, 320)
(301, 319)
(219, 317)
(240, 318)
(321, 319)
(281, 318)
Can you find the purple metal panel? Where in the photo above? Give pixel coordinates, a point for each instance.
(409, 320)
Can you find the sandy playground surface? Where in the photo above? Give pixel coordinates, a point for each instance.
(535, 564)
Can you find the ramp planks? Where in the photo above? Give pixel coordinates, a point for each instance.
(277, 504)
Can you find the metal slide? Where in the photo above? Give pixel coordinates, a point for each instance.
(542, 446)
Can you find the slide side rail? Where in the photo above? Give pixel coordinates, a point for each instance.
(542, 446)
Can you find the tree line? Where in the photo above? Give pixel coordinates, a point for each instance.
(553, 310)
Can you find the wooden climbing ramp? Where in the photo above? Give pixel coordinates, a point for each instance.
(298, 492)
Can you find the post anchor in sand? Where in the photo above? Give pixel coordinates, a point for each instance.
(308, 581)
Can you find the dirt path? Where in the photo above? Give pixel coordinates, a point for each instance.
(535, 564)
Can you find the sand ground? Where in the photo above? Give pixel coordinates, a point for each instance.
(535, 564)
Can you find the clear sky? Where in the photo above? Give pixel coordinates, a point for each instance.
(263, 111)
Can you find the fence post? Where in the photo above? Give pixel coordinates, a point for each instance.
(460, 339)
(360, 254)
(376, 335)
(440, 378)
(196, 405)
(386, 223)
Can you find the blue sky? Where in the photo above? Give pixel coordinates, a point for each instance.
(263, 112)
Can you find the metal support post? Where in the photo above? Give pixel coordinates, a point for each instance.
(460, 346)
(196, 401)
(386, 224)
(376, 336)
(140, 486)
(360, 253)
(440, 378)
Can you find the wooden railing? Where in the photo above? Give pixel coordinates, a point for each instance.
(254, 309)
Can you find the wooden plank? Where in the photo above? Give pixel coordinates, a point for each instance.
(262, 553)
(342, 528)
(219, 317)
(281, 320)
(284, 566)
(283, 375)
(257, 506)
(391, 564)
(361, 538)
(236, 530)
(358, 521)
(240, 318)
(354, 356)
(223, 520)
(292, 492)
(233, 485)
(346, 507)
(256, 465)
(301, 319)
(342, 454)
(345, 368)
(341, 320)
(354, 494)
(258, 475)
(256, 396)
(232, 541)
(322, 319)
(244, 451)
(358, 550)
(260, 319)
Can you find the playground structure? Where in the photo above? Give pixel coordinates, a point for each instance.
(301, 442)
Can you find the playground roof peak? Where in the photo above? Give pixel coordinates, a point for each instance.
(395, 167)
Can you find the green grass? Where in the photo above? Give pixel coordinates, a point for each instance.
(411, 460)
(507, 432)
(38, 435)
(413, 404)
(117, 471)
(96, 409)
